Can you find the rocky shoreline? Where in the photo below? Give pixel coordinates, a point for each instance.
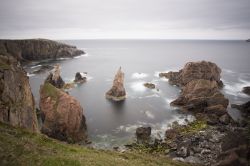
(214, 138)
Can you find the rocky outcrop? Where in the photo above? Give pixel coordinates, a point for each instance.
(117, 92)
(193, 71)
(143, 134)
(244, 108)
(149, 85)
(55, 78)
(37, 49)
(200, 84)
(79, 78)
(246, 90)
(17, 106)
(63, 115)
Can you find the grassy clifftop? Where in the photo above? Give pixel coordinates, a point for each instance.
(19, 147)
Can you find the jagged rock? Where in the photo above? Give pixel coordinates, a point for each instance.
(225, 119)
(171, 133)
(55, 78)
(193, 71)
(143, 134)
(202, 96)
(79, 78)
(17, 106)
(149, 85)
(63, 115)
(117, 92)
(246, 90)
(37, 49)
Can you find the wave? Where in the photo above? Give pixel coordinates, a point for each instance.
(236, 88)
(36, 66)
(30, 75)
(138, 86)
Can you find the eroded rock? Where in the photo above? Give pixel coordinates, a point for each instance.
(143, 134)
(79, 78)
(55, 78)
(149, 85)
(63, 115)
(17, 106)
(117, 92)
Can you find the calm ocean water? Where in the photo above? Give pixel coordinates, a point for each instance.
(111, 124)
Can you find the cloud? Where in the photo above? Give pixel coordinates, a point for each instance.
(125, 19)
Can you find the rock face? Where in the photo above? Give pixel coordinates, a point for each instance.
(246, 90)
(200, 83)
(63, 115)
(55, 78)
(202, 96)
(117, 92)
(37, 49)
(193, 71)
(143, 134)
(17, 106)
(79, 78)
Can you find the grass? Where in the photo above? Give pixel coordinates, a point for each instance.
(19, 147)
(4, 66)
(50, 90)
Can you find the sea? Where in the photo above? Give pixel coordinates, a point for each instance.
(112, 124)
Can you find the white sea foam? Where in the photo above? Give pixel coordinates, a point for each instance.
(149, 114)
(32, 67)
(139, 75)
(235, 89)
(30, 75)
(138, 86)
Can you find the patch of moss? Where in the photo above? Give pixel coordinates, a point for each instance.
(50, 91)
(194, 127)
(20, 147)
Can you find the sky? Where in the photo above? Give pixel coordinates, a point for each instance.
(129, 19)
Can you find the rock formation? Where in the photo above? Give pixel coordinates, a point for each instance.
(149, 85)
(246, 90)
(79, 78)
(143, 134)
(55, 78)
(193, 71)
(37, 49)
(117, 92)
(63, 115)
(244, 108)
(17, 106)
(200, 83)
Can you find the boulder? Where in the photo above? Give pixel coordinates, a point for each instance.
(37, 49)
(149, 85)
(117, 92)
(55, 78)
(143, 134)
(246, 90)
(192, 71)
(17, 106)
(244, 108)
(63, 115)
(79, 78)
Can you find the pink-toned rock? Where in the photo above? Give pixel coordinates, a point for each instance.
(117, 92)
(63, 115)
(17, 106)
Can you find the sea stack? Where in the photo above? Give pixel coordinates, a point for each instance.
(55, 78)
(117, 92)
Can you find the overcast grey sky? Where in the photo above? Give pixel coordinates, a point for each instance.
(171, 19)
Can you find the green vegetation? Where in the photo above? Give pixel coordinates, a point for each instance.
(4, 65)
(194, 127)
(19, 147)
(50, 90)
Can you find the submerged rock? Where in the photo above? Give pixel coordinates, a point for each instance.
(55, 78)
(79, 78)
(117, 92)
(37, 49)
(63, 115)
(246, 90)
(143, 134)
(17, 106)
(149, 85)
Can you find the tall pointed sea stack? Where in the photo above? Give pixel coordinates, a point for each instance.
(117, 92)
(55, 78)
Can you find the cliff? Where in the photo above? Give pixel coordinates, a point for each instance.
(17, 106)
(37, 49)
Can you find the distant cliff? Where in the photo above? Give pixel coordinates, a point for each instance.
(37, 49)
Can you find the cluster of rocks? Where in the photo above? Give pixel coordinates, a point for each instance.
(37, 49)
(117, 91)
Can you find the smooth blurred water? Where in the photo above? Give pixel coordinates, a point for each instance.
(111, 124)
